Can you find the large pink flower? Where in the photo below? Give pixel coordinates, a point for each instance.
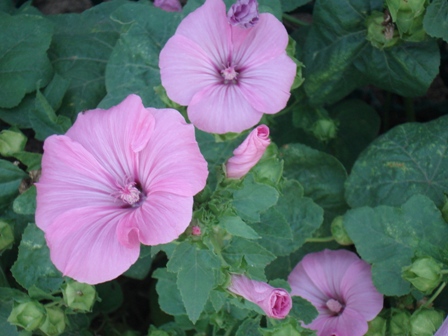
(227, 75)
(339, 285)
(275, 302)
(443, 330)
(118, 178)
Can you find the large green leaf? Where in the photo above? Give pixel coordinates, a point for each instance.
(25, 204)
(170, 300)
(409, 159)
(24, 64)
(10, 178)
(390, 237)
(33, 266)
(435, 21)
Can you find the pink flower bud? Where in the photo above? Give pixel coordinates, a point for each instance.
(243, 13)
(196, 230)
(275, 302)
(248, 153)
(168, 5)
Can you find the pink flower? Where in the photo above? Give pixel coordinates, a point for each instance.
(275, 302)
(339, 285)
(168, 5)
(117, 178)
(443, 330)
(227, 75)
(243, 13)
(196, 230)
(248, 153)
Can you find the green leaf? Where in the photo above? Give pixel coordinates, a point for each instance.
(218, 299)
(6, 305)
(55, 91)
(33, 266)
(25, 204)
(18, 116)
(80, 49)
(170, 299)
(133, 66)
(253, 198)
(303, 310)
(435, 21)
(390, 237)
(249, 327)
(141, 268)
(23, 56)
(31, 160)
(111, 296)
(409, 159)
(290, 5)
(10, 178)
(236, 226)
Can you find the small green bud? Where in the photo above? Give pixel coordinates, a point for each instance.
(338, 231)
(79, 296)
(268, 171)
(400, 323)
(380, 32)
(425, 322)
(408, 16)
(377, 327)
(6, 235)
(28, 315)
(291, 52)
(54, 323)
(424, 273)
(11, 142)
(325, 129)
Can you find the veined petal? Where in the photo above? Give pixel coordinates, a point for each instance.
(71, 178)
(185, 69)
(172, 162)
(163, 217)
(114, 136)
(267, 86)
(84, 244)
(222, 108)
(350, 322)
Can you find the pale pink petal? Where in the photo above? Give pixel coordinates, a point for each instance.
(115, 135)
(267, 86)
(84, 246)
(71, 178)
(222, 109)
(443, 330)
(264, 42)
(185, 69)
(168, 5)
(163, 217)
(247, 155)
(207, 26)
(275, 302)
(172, 162)
(348, 323)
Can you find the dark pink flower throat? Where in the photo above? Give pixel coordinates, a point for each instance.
(335, 306)
(230, 75)
(130, 193)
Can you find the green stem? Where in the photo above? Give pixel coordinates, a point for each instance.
(294, 20)
(320, 240)
(410, 111)
(435, 295)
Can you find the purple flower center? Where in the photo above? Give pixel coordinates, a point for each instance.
(334, 306)
(229, 74)
(129, 193)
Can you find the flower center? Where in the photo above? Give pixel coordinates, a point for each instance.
(229, 74)
(130, 194)
(334, 306)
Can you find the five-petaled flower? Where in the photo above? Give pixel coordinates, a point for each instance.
(227, 75)
(117, 178)
(340, 286)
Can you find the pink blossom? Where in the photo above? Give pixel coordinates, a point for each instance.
(243, 13)
(340, 286)
(117, 178)
(275, 302)
(248, 153)
(196, 230)
(227, 75)
(443, 330)
(168, 5)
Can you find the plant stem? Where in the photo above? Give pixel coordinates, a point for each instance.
(434, 296)
(319, 240)
(295, 20)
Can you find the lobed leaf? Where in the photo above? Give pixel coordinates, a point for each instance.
(435, 21)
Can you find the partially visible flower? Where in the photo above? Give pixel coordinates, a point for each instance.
(227, 75)
(118, 178)
(339, 285)
(196, 230)
(275, 302)
(443, 330)
(168, 5)
(243, 13)
(246, 155)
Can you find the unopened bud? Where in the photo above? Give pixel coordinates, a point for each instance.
(54, 323)
(325, 129)
(408, 16)
(339, 233)
(79, 296)
(196, 230)
(11, 142)
(6, 235)
(425, 322)
(28, 315)
(381, 30)
(400, 323)
(424, 273)
(377, 327)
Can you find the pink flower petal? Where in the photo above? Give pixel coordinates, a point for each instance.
(83, 244)
(222, 109)
(349, 322)
(172, 161)
(168, 5)
(443, 330)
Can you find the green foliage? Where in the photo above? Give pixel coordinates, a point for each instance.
(435, 21)
(25, 204)
(303, 310)
(289, 5)
(10, 178)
